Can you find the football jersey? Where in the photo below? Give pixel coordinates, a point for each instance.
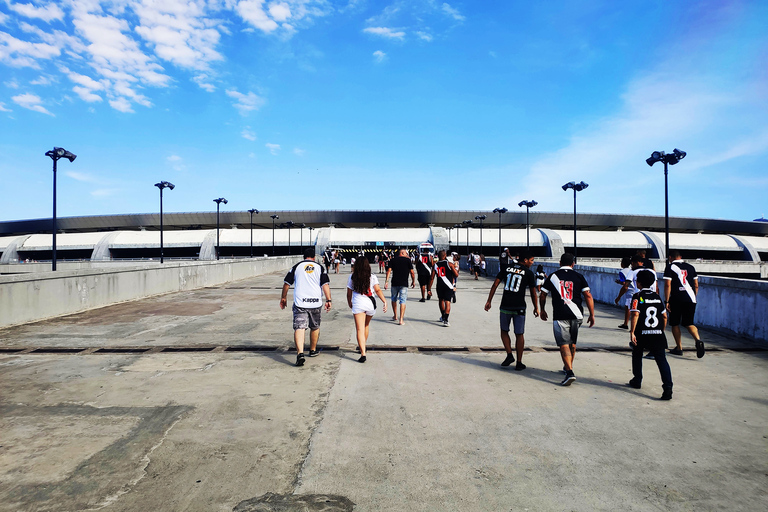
(648, 330)
(517, 279)
(307, 278)
(445, 275)
(566, 287)
(424, 265)
(680, 276)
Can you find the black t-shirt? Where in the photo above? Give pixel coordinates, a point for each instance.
(401, 267)
(648, 330)
(566, 287)
(680, 276)
(516, 279)
(444, 275)
(424, 266)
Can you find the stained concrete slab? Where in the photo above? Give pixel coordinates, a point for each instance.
(436, 430)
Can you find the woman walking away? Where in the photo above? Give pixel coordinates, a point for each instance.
(361, 287)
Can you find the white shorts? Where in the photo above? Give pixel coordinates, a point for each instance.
(362, 304)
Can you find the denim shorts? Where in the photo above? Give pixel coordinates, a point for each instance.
(304, 318)
(399, 294)
(515, 320)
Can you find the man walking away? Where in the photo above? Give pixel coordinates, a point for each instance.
(681, 286)
(400, 266)
(310, 282)
(516, 278)
(567, 287)
(445, 273)
(424, 271)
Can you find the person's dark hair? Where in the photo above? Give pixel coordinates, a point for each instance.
(566, 260)
(641, 252)
(309, 253)
(441, 254)
(527, 255)
(675, 254)
(646, 278)
(540, 268)
(625, 261)
(361, 277)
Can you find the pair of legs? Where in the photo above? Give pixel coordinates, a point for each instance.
(568, 354)
(517, 321)
(681, 313)
(566, 334)
(362, 327)
(399, 296)
(661, 362)
(298, 339)
(677, 334)
(445, 309)
(626, 317)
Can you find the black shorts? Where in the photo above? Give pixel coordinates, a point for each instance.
(444, 293)
(476, 269)
(681, 313)
(424, 279)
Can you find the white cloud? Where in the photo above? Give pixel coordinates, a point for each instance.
(31, 102)
(453, 13)
(174, 158)
(43, 80)
(121, 105)
(252, 11)
(46, 12)
(87, 95)
(248, 134)
(104, 192)
(385, 32)
(279, 11)
(203, 81)
(177, 163)
(273, 148)
(18, 53)
(424, 36)
(299, 152)
(246, 102)
(3, 109)
(79, 176)
(379, 56)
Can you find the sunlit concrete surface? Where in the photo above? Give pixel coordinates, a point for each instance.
(196, 405)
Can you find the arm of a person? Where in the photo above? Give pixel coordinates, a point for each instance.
(535, 300)
(663, 320)
(633, 316)
(413, 279)
(349, 298)
(386, 278)
(431, 279)
(624, 288)
(327, 293)
(377, 290)
(591, 306)
(542, 305)
(284, 296)
(667, 289)
(696, 286)
(491, 293)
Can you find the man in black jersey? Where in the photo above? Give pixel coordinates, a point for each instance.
(516, 278)
(400, 267)
(445, 273)
(424, 272)
(681, 287)
(648, 319)
(566, 287)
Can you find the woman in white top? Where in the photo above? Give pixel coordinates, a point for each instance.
(361, 287)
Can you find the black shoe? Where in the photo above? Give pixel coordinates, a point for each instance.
(313, 353)
(300, 359)
(509, 360)
(564, 370)
(676, 351)
(666, 395)
(634, 384)
(648, 356)
(429, 295)
(361, 360)
(700, 349)
(623, 326)
(568, 380)
(422, 300)
(520, 367)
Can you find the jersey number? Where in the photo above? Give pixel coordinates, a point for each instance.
(566, 290)
(651, 317)
(513, 282)
(684, 275)
(440, 271)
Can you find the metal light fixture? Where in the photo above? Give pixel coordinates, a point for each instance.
(218, 204)
(55, 155)
(577, 187)
(457, 226)
(481, 218)
(301, 237)
(289, 225)
(252, 211)
(500, 211)
(668, 159)
(161, 186)
(273, 217)
(528, 205)
(467, 223)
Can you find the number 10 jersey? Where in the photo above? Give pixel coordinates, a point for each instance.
(516, 280)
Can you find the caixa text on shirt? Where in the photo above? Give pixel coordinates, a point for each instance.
(312, 300)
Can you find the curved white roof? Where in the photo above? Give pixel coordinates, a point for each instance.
(64, 241)
(692, 241)
(760, 243)
(599, 239)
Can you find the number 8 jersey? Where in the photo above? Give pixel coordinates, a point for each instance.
(649, 329)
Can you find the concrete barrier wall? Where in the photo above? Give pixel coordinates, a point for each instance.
(31, 297)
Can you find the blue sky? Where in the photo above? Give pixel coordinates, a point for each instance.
(305, 104)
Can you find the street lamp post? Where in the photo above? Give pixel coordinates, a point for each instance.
(310, 228)
(668, 159)
(252, 211)
(577, 187)
(289, 225)
(55, 155)
(467, 223)
(457, 226)
(500, 211)
(273, 217)
(301, 237)
(161, 186)
(218, 204)
(481, 218)
(528, 205)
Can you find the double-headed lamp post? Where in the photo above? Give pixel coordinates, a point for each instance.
(669, 159)
(161, 186)
(577, 187)
(467, 223)
(481, 218)
(528, 205)
(274, 217)
(252, 211)
(55, 155)
(500, 211)
(218, 204)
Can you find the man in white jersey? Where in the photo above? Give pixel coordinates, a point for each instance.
(310, 282)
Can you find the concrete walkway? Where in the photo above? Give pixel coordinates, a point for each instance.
(190, 401)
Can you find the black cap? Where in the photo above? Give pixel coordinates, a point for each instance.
(309, 253)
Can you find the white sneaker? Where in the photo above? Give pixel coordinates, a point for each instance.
(446, 324)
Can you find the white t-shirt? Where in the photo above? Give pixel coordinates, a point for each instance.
(361, 303)
(308, 278)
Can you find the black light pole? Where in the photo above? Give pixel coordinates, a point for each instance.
(528, 205)
(55, 155)
(481, 218)
(668, 159)
(301, 237)
(457, 226)
(252, 211)
(500, 211)
(289, 225)
(467, 223)
(218, 204)
(310, 228)
(161, 186)
(577, 187)
(273, 217)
